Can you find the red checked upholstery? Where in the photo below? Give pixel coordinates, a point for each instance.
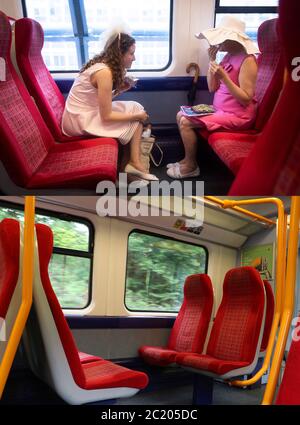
(234, 147)
(89, 373)
(29, 152)
(269, 315)
(9, 262)
(191, 325)
(289, 388)
(236, 334)
(29, 41)
(273, 165)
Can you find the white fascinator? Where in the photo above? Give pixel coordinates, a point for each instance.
(114, 30)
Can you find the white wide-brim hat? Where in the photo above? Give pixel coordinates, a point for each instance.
(230, 28)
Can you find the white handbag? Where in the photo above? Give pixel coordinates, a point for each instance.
(147, 144)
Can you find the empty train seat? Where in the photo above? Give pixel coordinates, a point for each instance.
(272, 167)
(269, 316)
(10, 288)
(28, 151)
(237, 331)
(289, 390)
(29, 41)
(191, 324)
(76, 377)
(234, 147)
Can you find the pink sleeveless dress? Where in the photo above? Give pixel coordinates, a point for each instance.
(82, 115)
(230, 114)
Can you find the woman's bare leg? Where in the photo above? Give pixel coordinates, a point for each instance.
(189, 139)
(135, 149)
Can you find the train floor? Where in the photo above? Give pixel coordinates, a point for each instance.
(23, 388)
(216, 176)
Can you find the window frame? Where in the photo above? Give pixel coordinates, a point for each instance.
(66, 251)
(158, 235)
(244, 9)
(80, 30)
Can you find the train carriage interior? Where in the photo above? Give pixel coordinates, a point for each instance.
(235, 162)
(149, 203)
(180, 309)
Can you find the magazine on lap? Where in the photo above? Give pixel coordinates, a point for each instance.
(197, 110)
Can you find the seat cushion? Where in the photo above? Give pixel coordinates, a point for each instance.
(105, 374)
(88, 358)
(208, 363)
(84, 162)
(157, 356)
(232, 148)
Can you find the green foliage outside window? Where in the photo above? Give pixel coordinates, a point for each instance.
(156, 271)
(70, 275)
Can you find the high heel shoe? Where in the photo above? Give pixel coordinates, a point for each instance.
(130, 169)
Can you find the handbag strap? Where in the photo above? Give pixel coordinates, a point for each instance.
(157, 164)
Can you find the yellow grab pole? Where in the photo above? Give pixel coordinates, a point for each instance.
(241, 210)
(288, 305)
(27, 279)
(280, 274)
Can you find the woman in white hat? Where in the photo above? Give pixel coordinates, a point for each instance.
(233, 82)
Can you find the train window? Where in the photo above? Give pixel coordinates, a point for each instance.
(71, 263)
(252, 12)
(248, 3)
(72, 30)
(156, 269)
(61, 47)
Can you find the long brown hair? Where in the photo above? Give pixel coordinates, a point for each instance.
(112, 57)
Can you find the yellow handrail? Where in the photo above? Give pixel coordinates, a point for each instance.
(280, 273)
(242, 210)
(27, 279)
(288, 305)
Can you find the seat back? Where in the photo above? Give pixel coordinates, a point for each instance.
(24, 138)
(273, 164)
(237, 330)
(60, 347)
(52, 351)
(269, 315)
(270, 71)
(289, 390)
(29, 41)
(190, 328)
(10, 288)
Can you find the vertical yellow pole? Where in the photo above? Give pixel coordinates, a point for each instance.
(27, 279)
(288, 301)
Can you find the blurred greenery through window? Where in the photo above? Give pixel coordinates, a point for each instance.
(71, 262)
(156, 271)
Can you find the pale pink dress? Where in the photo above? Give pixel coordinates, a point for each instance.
(82, 115)
(230, 114)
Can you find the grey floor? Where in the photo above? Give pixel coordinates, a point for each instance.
(182, 395)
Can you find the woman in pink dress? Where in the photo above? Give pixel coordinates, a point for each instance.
(90, 109)
(233, 82)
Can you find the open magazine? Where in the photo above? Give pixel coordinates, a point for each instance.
(197, 110)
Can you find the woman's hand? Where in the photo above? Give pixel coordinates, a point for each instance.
(217, 71)
(212, 53)
(141, 116)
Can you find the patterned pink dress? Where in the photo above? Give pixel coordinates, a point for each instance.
(230, 114)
